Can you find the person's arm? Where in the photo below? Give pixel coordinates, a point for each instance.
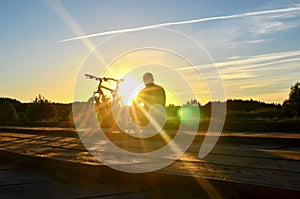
(162, 97)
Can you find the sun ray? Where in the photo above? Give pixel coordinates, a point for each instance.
(60, 10)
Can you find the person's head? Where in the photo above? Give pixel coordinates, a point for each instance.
(148, 78)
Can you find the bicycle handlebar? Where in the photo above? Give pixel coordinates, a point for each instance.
(103, 78)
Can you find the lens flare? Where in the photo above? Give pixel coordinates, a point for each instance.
(189, 115)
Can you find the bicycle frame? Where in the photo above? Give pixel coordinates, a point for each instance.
(103, 105)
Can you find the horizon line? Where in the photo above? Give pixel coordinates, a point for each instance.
(53, 102)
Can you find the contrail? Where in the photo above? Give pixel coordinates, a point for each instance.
(184, 22)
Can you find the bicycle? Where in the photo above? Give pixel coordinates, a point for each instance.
(110, 111)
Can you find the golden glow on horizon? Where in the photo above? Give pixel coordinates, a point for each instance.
(162, 64)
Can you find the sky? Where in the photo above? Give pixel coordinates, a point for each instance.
(207, 50)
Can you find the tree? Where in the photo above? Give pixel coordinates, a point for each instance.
(40, 100)
(192, 102)
(41, 109)
(291, 106)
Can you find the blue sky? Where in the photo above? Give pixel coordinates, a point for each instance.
(257, 56)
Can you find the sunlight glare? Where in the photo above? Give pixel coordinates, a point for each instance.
(129, 89)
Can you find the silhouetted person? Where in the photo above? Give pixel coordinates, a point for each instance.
(151, 95)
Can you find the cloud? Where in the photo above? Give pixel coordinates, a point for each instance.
(248, 14)
(265, 77)
(233, 57)
(269, 27)
(250, 61)
(269, 24)
(256, 41)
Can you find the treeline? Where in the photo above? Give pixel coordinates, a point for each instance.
(40, 110)
(236, 110)
(255, 110)
(251, 109)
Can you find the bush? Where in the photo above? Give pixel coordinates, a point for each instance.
(8, 112)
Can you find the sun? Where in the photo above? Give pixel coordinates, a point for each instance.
(129, 88)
